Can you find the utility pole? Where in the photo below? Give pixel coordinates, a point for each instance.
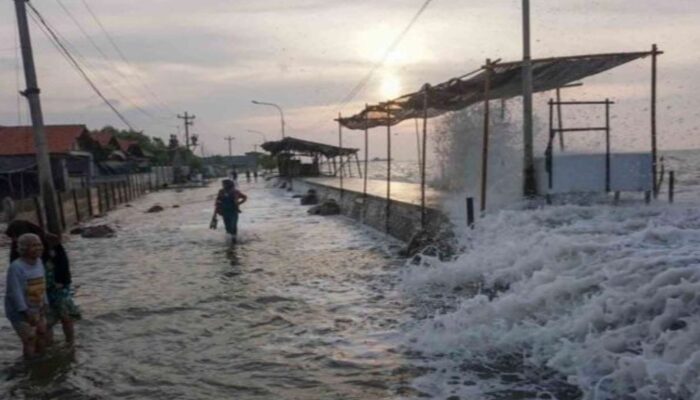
(230, 139)
(529, 182)
(47, 190)
(188, 122)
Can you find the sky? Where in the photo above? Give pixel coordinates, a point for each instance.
(211, 58)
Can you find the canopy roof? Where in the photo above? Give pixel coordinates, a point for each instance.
(307, 148)
(505, 82)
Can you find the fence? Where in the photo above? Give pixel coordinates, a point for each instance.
(80, 204)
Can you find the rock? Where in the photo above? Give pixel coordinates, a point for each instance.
(156, 208)
(328, 207)
(128, 205)
(176, 206)
(677, 325)
(310, 198)
(97, 231)
(77, 230)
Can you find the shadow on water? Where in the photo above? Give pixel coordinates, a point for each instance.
(42, 377)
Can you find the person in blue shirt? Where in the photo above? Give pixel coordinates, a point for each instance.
(25, 297)
(58, 277)
(228, 203)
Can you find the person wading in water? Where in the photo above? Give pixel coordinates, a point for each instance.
(58, 277)
(25, 300)
(228, 203)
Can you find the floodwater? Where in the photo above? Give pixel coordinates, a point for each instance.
(304, 307)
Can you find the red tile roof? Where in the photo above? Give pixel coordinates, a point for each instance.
(19, 140)
(124, 144)
(103, 138)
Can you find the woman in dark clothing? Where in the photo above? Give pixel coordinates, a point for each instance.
(58, 276)
(228, 203)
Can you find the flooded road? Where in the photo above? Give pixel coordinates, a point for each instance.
(302, 308)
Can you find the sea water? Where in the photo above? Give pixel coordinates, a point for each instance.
(583, 299)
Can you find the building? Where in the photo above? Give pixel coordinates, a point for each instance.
(69, 150)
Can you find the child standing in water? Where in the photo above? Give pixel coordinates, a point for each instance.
(228, 203)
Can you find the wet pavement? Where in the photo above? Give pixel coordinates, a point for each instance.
(304, 307)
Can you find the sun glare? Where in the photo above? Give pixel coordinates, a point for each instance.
(390, 87)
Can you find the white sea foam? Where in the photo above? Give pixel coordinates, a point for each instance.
(608, 297)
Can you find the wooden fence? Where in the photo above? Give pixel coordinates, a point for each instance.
(78, 205)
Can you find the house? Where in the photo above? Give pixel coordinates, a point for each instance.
(116, 149)
(71, 160)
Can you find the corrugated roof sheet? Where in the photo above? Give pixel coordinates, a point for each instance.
(506, 82)
(306, 147)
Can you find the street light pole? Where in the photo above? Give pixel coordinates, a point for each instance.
(262, 103)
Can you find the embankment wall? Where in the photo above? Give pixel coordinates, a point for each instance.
(400, 220)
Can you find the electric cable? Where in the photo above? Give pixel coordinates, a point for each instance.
(38, 18)
(163, 104)
(105, 57)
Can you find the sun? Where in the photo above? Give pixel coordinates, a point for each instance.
(390, 86)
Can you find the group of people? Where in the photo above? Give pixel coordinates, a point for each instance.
(38, 292)
(248, 174)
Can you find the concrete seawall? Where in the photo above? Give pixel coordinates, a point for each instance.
(402, 222)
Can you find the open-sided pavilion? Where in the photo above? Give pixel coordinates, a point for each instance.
(495, 80)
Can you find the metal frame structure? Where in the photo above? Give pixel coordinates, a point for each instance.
(432, 101)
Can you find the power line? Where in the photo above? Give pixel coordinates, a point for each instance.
(64, 51)
(163, 104)
(91, 67)
(365, 80)
(104, 56)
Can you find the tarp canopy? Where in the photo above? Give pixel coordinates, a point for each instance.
(306, 148)
(505, 82)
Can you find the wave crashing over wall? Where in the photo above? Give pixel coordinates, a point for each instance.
(605, 299)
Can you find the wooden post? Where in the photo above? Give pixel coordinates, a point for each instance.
(388, 166)
(560, 123)
(114, 195)
(77, 207)
(129, 188)
(60, 210)
(100, 207)
(654, 54)
(364, 184)
(485, 148)
(422, 163)
(549, 157)
(470, 212)
(671, 185)
(359, 168)
(607, 145)
(88, 193)
(340, 144)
